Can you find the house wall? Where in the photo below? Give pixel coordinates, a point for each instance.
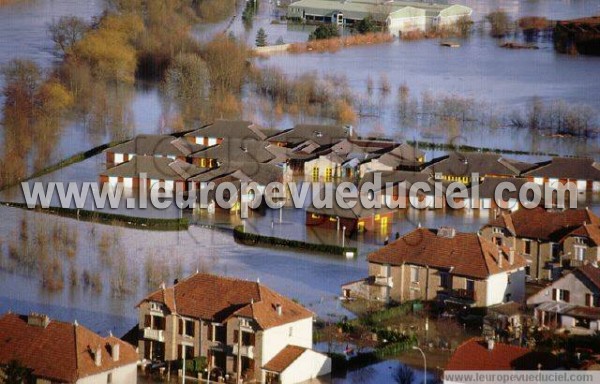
(591, 253)
(123, 374)
(273, 340)
(322, 163)
(372, 166)
(502, 284)
(308, 366)
(577, 290)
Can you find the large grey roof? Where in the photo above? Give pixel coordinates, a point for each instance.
(154, 168)
(320, 134)
(153, 145)
(238, 129)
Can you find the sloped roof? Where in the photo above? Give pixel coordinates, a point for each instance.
(262, 174)
(61, 351)
(474, 355)
(320, 134)
(154, 168)
(567, 168)
(395, 177)
(216, 298)
(151, 145)
(465, 163)
(591, 273)
(465, 254)
(239, 150)
(358, 211)
(237, 129)
(591, 232)
(284, 358)
(544, 224)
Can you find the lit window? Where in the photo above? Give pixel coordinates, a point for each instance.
(414, 274)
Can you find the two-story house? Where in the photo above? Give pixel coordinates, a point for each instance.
(58, 352)
(239, 326)
(221, 129)
(444, 265)
(581, 246)
(571, 302)
(537, 233)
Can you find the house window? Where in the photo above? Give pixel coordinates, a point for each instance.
(315, 173)
(414, 274)
(109, 378)
(470, 285)
(527, 247)
(445, 280)
(579, 252)
(291, 332)
(560, 295)
(189, 328)
(592, 300)
(328, 173)
(314, 216)
(497, 230)
(555, 250)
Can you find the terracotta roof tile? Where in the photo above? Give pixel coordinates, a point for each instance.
(591, 273)
(284, 358)
(544, 224)
(216, 298)
(60, 351)
(474, 355)
(591, 232)
(467, 254)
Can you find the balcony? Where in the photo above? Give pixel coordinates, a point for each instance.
(247, 350)
(461, 293)
(154, 334)
(384, 281)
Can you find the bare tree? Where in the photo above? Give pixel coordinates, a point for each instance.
(403, 374)
(65, 32)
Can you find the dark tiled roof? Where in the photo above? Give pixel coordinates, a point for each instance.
(567, 168)
(591, 273)
(284, 358)
(60, 351)
(395, 177)
(466, 254)
(474, 355)
(155, 168)
(465, 163)
(216, 298)
(262, 174)
(151, 145)
(544, 224)
(230, 129)
(238, 150)
(320, 134)
(589, 231)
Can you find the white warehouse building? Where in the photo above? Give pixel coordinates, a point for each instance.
(398, 16)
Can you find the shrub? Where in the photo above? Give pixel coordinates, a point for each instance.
(499, 22)
(366, 25)
(227, 61)
(261, 38)
(324, 31)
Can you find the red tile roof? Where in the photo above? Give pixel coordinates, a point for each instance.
(474, 355)
(591, 232)
(217, 298)
(544, 224)
(466, 254)
(284, 358)
(591, 273)
(60, 351)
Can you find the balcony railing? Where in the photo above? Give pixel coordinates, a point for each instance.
(154, 334)
(461, 293)
(247, 350)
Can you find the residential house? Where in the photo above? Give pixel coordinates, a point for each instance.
(216, 132)
(172, 175)
(444, 265)
(235, 150)
(150, 145)
(376, 184)
(401, 157)
(58, 352)
(581, 246)
(355, 219)
(583, 172)
(459, 166)
(536, 233)
(571, 302)
(239, 326)
(478, 354)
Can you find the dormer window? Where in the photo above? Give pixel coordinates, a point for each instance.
(318, 133)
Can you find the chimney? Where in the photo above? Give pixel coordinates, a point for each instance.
(511, 256)
(98, 356)
(500, 257)
(279, 309)
(38, 320)
(447, 232)
(163, 286)
(490, 344)
(116, 349)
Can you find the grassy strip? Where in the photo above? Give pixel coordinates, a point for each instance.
(76, 158)
(254, 239)
(469, 148)
(110, 219)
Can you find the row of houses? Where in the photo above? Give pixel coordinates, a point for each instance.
(242, 330)
(481, 269)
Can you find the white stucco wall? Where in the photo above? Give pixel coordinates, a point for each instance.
(125, 374)
(275, 339)
(309, 365)
(498, 287)
(373, 165)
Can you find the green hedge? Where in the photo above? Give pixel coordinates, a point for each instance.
(255, 239)
(76, 158)
(395, 348)
(111, 219)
